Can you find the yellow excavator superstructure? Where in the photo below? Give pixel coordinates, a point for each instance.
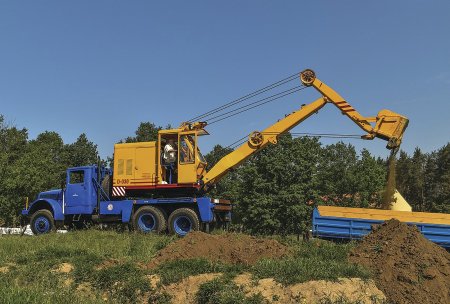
(139, 168)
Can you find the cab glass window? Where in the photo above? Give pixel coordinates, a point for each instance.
(200, 156)
(187, 149)
(76, 177)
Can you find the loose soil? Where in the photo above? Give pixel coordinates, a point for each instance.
(407, 267)
(85, 290)
(352, 290)
(4, 269)
(63, 268)
(389, 191)
(108, 264)
(185, 291)
(227, 248)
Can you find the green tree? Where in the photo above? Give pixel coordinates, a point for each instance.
(81, 153)
(438, 180)
(336, 173)
(417, 180)
(42, 167)
(216, 154)
(275, 184)
(13, 143)
(226, 187)
(146, 131)
(416, 177)
(368, 179)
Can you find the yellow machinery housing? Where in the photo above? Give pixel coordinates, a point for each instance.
(140, 166)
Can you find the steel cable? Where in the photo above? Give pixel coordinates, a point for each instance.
(298, 135)
(256, 104)
(246, 97)
(326, 135)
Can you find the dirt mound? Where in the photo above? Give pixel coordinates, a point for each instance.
(4, 269)
(408, 268)
(229, 248)
(345, 290)
(63, 268)
(185, 291)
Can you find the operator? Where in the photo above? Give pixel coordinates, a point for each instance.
(170, 160)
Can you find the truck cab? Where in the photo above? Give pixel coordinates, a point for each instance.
(77, 198)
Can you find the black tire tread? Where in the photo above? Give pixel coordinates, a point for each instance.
(161, 225)
(46, 213)
(187, 212)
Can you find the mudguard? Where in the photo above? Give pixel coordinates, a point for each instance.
(51, 204)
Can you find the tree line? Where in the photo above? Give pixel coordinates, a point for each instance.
(29, 166)
(270, 191)
(424, 179)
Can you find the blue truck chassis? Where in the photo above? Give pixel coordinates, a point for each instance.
(83, 199)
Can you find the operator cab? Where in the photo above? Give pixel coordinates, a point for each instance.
(189, 164)
(147, 168)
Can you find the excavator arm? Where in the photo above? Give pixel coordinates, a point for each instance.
(389, 126)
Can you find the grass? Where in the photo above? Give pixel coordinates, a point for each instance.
(32, 262)
(107, 269)
(314, 260)
(224, 291)
(175, 271)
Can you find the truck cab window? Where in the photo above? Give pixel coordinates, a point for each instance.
(76, 177)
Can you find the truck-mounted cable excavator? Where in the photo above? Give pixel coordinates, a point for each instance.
(152, 195)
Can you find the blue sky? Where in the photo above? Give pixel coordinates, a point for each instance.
(101, 67)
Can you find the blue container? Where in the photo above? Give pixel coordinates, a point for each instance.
(330, 227)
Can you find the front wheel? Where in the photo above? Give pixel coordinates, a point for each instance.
(149, 219)
(42, 222)
(182, 221)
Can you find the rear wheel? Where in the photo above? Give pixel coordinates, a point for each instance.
(149, 219)
(42, 221)
(182, 221)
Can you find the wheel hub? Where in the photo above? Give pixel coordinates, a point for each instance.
(182, 225)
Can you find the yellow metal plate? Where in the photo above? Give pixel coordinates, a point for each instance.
(376, 214)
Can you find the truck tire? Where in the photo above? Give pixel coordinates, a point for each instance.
(149, 219)
(42, 221)
(182, 221)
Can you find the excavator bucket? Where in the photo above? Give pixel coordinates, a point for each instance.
(390, 126)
